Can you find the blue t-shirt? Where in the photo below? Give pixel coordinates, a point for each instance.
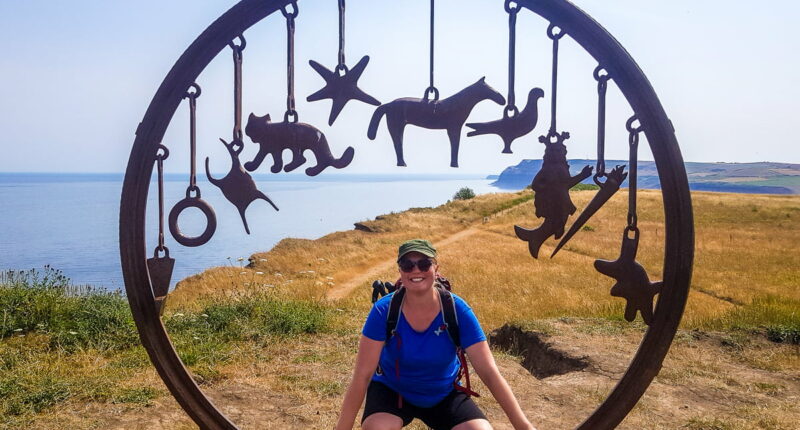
(427, 360)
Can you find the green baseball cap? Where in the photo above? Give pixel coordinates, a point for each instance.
(422, 246)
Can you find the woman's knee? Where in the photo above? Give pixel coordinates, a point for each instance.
(476, 424)
(382, 421)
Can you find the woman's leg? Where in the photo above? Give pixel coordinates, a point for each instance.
(477, 424)
(383, 421)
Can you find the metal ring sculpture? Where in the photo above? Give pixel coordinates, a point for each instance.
(679, 244)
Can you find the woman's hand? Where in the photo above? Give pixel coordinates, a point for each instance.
(483, 362)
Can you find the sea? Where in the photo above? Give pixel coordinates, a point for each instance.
(71, 221)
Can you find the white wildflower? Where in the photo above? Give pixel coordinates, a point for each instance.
(18, 330)
(204, 315)
(72, 332)
(259, 273)
(240, 259)
(178, 314)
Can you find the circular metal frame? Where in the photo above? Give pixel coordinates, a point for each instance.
(679, 243)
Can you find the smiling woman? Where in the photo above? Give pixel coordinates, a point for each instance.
(419, 370)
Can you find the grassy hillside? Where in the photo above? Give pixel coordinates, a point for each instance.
(269, 342)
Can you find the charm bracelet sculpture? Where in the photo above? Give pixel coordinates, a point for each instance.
(147, 276)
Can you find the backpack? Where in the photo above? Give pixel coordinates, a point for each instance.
(450, 325)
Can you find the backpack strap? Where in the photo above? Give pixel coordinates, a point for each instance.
(451, 324)
(393, 317)
(449, 315)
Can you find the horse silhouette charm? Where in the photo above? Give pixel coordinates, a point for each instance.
(449, 114)
(274, 137)
(551, 199)
(238, 186)
(511, 127)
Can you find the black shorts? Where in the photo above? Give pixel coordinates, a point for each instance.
(454, 409)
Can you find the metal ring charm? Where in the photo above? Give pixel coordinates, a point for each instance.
(192, 202)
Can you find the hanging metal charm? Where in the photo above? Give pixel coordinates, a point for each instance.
(514, 123)
(274, 137)
(192, 199)
(429, 112)
(159, 267)
(238, 186)
(613, 179)
(341, 84)
(633, 284)
(552, 183)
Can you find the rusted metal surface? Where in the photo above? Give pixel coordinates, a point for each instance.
(510, 127)
(274, 137)
(632, 283)
(606, 191)
(341, 84)
(613, 180)
(238, 186)
(552, 183)
(551, 194)
(160, 267)
(445, 114)
(679, 241)
(514, 123)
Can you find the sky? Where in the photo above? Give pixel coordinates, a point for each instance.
(77, 76)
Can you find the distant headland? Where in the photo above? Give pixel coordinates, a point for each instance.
(756, 178)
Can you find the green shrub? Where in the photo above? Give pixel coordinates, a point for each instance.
(45, 302)
(464, 193)
(584, 187)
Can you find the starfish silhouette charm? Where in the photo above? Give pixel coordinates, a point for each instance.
(341, 88)
(633, 284)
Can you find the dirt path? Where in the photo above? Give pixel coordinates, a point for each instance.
(343, 290)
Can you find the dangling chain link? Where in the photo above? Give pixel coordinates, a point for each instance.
(431, 88)
(601, 76)
(290, 16)
(162, 153)
(554, 36)
(341, 66)
(237, 90)
(512, 8)
(192, 96)
(633, 142)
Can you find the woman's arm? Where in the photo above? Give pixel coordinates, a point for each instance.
(481, 358)
(369, 352)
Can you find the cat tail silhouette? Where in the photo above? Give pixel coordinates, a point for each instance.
(376, 120)
(326, 159)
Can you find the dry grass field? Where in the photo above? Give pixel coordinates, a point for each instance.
(722, 372)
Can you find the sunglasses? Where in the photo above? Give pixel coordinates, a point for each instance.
(408, 266)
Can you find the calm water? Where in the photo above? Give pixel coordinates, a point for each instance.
(70, 221)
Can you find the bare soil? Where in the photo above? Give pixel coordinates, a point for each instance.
(709, 381)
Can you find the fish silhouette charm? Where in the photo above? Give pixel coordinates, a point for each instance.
(238, 186)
